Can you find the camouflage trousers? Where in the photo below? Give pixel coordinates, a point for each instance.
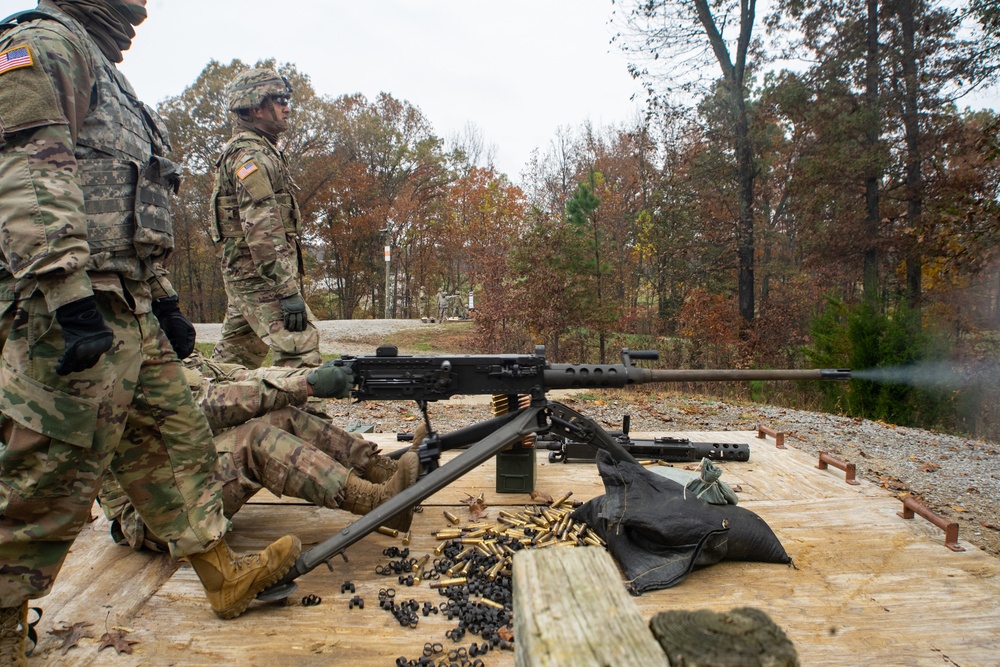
(254, 323)
(289, 452)
(132, 413)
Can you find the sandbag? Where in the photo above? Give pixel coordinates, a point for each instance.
(659, 536)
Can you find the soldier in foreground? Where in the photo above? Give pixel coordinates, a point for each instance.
(256, 221)
(92, 331)
(265, 440)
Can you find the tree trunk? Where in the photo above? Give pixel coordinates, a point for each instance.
(872, 75)
(744, 226)
(911, 126)
(733, 73)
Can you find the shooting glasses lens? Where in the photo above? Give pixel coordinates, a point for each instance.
(280, 100)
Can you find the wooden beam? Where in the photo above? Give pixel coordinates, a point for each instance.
(571, 608)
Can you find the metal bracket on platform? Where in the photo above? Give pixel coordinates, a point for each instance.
(825, 460)
(779, 438)
(950, 528)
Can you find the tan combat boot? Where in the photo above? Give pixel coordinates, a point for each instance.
(13, 630)
(361, 496)
(381, 468)
(232, 580)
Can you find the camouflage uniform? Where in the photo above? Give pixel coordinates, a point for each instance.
(264, 441)
(257, 224)
(79, 158)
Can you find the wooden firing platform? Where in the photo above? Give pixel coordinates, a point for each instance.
(867, 587)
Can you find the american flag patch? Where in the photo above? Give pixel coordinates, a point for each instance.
(246, 170)
(13, 58)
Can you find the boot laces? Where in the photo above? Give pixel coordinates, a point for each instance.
(12, 636)
(246, 561)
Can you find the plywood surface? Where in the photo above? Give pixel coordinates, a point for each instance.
(866, 586)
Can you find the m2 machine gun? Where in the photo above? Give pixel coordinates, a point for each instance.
(389, 376)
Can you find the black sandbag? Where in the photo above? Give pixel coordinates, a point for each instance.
(658, 536)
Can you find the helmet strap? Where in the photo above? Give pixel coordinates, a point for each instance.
(271, 127)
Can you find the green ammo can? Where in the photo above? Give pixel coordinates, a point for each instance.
(516, 470)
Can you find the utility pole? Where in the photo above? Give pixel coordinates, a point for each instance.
(387, 274)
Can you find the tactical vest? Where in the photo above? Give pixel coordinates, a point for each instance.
(226, 206)
(126, 179)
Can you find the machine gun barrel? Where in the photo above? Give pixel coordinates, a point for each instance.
(389, 376)
(573, 376)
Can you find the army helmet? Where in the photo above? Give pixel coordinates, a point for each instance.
(250, 88)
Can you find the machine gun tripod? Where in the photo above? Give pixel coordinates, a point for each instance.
(388, 376)
(544, 417)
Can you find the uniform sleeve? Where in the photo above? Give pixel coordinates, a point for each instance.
(43, 102)
(273, 255)
(231, 403)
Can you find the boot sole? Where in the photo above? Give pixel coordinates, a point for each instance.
(241, 605)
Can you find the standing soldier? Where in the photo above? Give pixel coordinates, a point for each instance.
(256, 220)
(442, 306)
(90, 380)
(422, 303)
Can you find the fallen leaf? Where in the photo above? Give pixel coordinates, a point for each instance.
(477, 507)
(541, 495)
(117, 641)
(958, 508)
(72, 634)
(929, 467)
(506, 633)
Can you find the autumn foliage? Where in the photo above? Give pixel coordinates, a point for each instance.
(631, 236)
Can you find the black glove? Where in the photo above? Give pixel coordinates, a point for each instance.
(86, 335)
(293, 309)
(330, 381)
(179, 330)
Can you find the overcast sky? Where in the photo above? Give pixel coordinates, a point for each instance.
(517, 69)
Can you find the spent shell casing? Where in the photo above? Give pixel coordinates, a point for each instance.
(443, 583)
(386, 530)
(562, 499)
(452, 518)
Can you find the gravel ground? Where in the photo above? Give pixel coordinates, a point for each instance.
(958, 478)
(335, 336)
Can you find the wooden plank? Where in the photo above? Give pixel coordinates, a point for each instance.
(562, 597)
(866, 587)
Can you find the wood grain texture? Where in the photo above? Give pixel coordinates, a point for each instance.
(570, 608)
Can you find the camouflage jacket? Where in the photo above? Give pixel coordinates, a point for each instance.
(256, 217)
(80, 156)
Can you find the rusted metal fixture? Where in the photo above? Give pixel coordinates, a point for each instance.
(826, 460)
(779, 438)
(911, 505)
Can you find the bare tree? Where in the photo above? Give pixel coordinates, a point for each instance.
(674, 42)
